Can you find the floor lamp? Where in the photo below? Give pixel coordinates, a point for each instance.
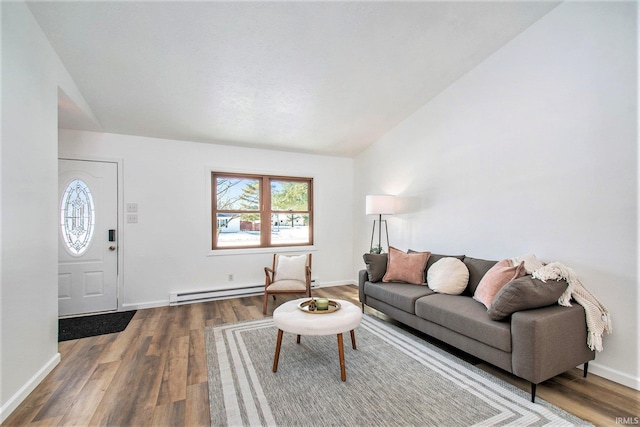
(380, 204)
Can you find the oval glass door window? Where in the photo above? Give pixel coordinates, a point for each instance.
(77, 217)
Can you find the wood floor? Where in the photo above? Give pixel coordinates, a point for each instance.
(155, 373)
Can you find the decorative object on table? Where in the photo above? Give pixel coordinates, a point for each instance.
(310, 306)
(322, 303)
(290, 274)
(379, 204)
(390, 393)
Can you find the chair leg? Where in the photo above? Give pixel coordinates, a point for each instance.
(264, 304)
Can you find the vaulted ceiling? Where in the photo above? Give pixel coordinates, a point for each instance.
(316, 77)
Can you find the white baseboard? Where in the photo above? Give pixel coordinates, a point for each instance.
(164, 303)
(26, 389)
(143, 305)
(614, 375)
(336, 283)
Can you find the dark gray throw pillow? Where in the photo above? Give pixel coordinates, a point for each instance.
(376, 266)
(525, 293)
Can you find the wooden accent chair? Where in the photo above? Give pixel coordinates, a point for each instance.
(288, 275)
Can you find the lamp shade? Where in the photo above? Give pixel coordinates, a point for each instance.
(380, 204)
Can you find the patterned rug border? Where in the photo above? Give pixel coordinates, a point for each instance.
(495, 392)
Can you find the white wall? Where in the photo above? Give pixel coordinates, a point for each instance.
(31, 77)
(168, 249)
(535, 150)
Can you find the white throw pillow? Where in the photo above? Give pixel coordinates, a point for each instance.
(531, 262)
(448, 276)
(291, 267)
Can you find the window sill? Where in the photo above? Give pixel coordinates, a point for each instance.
(271, 250)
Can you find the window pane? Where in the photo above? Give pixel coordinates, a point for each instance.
(237, 194)
(261, 211)
(238, 229)
(289, 228)
(289, 196)
(77, 217)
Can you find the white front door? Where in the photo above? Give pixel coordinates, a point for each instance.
(88, 236)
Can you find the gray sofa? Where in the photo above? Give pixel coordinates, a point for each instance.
(534, 344)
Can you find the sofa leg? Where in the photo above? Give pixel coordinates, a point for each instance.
(362, 304)
(585, 369)
(533, 393)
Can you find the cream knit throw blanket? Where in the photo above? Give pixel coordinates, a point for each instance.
(598, 318)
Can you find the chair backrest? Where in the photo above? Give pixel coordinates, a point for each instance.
(291, 266)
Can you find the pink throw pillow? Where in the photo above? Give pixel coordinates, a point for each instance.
(404, 267)
(497, 276)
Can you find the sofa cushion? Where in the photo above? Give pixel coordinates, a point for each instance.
(399, 295)
(376, 266)
(437, 257)
(477, 269)
(498, 276)
(466, 316)
(448, 276)
(433, 258)
(525, 293)
(404, 267)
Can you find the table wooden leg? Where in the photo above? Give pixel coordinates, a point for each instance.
(343, 373)
(353, 339)
(277, 356)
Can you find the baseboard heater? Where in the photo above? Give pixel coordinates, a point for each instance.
(179, 298)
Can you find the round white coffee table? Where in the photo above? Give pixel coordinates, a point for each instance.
(289, 318)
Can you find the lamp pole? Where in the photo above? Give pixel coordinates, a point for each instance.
(379, 204)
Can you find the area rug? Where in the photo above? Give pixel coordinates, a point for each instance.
(393, 379)
(90, 326)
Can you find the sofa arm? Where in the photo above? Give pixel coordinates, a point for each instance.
(548, 341)
(363, 276)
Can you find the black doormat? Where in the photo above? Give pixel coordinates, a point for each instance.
(90, 326)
